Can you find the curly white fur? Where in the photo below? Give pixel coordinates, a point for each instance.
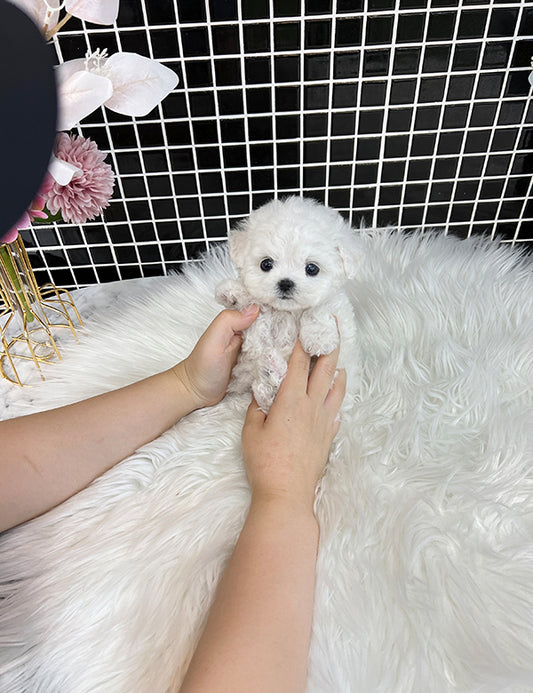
(293, 258)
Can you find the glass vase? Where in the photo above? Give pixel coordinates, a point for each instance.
(31, 318)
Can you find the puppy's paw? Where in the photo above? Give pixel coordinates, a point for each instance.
(319, 336)
(231, 294)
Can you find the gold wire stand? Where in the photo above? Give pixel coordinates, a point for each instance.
(38, 314)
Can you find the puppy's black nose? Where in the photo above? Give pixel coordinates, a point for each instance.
(285, 286)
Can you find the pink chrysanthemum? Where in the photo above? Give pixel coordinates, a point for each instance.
(88, 193)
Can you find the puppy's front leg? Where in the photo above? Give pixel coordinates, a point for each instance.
(272, 370)
(231, 294)
(318, 331)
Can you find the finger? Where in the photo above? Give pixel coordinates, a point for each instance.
(323, 374)
(254, 415)
(297, 370)
(336, 426)
(336, 395)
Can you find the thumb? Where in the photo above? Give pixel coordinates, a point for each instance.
(245, 317)
(229, 324)
(238, 320)
(235, 320)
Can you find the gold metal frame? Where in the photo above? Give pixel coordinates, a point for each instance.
(21, 299)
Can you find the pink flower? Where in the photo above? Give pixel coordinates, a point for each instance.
(88, 193)
(35, 211)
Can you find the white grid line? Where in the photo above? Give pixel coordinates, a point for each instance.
(272, 54)
(412, 120)
(245, 105)
(441, 116)
(166, 147)
(357, 123)
(217, 114)
(386, 108)
(329, 116)
(465, 134)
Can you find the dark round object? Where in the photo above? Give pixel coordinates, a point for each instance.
(28, 112)
(311, 269)
(267, 264)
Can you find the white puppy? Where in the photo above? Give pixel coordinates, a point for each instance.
(292, 257)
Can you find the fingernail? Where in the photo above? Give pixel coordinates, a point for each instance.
(250, 310)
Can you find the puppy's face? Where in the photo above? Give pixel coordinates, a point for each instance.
(283, 274)
(292, 254)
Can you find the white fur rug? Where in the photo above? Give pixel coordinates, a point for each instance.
(425, 568)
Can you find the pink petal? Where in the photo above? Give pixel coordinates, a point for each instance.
(10, 236)
(37, 205)
(37, 214)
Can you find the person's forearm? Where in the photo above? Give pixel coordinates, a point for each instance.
(47, 457)
(258, 631)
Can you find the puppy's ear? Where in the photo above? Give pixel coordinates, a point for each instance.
(237, 239)
(350, 251)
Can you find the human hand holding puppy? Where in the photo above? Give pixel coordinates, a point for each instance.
(206, 372)
(286, 451)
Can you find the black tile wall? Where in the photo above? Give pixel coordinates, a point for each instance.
(410, 112)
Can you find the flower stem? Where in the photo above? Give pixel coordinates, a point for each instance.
(7, 261)
(58, 26)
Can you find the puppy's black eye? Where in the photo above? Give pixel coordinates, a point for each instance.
(311, 269)
(267, 264)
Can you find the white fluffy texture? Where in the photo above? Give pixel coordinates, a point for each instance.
(425, 566)
(291, 235)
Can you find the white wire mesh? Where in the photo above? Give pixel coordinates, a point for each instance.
(405, 112)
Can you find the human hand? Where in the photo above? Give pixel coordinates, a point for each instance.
(206, 372)
(285, 452)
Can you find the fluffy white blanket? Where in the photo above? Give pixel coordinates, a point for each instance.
(425, 567)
